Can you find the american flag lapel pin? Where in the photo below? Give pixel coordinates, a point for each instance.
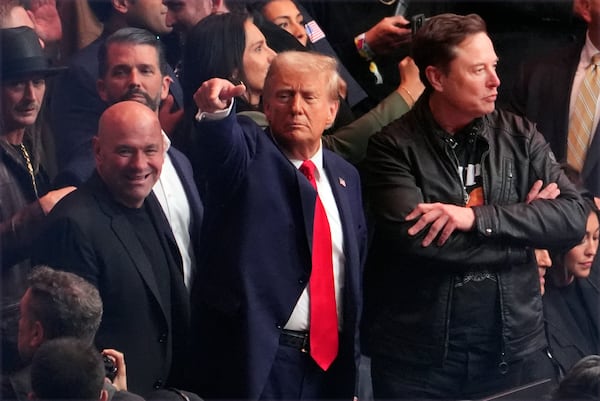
(342, 182)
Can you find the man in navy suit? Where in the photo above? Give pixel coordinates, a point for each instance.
(253, 293)
(546, 91)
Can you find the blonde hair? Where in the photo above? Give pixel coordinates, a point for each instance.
(309, 63)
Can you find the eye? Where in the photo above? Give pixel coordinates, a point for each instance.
(119, 72)
(38, 82)
(124, 152)
(147, 70)
(283, 25)
(283, 97)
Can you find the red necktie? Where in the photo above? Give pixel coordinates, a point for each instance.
(323, 314)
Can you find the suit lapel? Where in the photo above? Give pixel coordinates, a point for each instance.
(125, 233)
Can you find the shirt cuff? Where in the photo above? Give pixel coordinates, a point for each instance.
(214, 116)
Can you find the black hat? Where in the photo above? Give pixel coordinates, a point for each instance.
(22, 54)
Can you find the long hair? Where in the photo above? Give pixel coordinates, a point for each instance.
(214, 49)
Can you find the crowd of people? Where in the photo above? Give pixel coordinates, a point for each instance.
(283, 200)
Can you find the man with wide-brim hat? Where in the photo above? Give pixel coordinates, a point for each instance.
(25, 197)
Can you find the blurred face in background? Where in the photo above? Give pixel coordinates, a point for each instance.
(578, 261)
(182, 15)
(148, 14)
(286, 15)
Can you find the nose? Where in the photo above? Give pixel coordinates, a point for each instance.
(494, 80)
(591, 248)
(299, 32)
(134, 78)
(138, 161)
(271, 54)
(29, 94)
(297, 104)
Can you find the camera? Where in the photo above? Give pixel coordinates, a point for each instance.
(110, 368)
(416, 22)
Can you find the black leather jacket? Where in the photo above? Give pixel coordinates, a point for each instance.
(20, 221)
(408, 288)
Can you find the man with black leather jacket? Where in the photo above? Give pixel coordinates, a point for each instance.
(460, 193)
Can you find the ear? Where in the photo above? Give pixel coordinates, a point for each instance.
(267, 108)
(583, 9)
(332, 112)
(165, 85)
(101, 88)
(97, 153)
(435, 77)
(103, 395)
(217, 6)
(122, 6)
(37, 335)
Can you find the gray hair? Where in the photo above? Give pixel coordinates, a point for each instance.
(65, 304)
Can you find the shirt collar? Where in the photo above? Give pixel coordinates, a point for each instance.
(166, 140)
(588, 51)
(317, 159)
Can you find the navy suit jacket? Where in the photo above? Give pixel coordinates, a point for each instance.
(542, 94)
(75, 108)
(259, 213)
(89, 234)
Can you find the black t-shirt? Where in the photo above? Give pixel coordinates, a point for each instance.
(146, 232)
(475, 312)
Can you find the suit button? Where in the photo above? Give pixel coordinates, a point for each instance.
(158, 384)
(162, 338)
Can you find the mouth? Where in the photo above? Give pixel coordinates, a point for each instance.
(138, 178)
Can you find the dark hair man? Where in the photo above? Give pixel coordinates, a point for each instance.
(74, 123)
(68, 369)
(25, 197)
(452, 303)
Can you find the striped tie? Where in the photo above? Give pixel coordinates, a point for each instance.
(582, 118)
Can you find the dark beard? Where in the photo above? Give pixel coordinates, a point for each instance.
(152, 103)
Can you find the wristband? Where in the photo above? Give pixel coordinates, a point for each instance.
(363, 47)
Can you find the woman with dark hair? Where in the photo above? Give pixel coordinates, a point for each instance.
(227, 46)
(571, 298)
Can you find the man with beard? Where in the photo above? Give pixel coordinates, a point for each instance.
(132, 66)
(75, 104)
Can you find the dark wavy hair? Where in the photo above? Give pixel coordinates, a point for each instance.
(435, 43)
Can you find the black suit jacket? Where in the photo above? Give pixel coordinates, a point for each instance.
(565, 334)
(88, 234)
(542, 93)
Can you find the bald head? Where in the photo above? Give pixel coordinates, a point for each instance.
(129, 151)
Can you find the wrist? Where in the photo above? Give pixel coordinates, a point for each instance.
(360, 41)
(407, 95)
